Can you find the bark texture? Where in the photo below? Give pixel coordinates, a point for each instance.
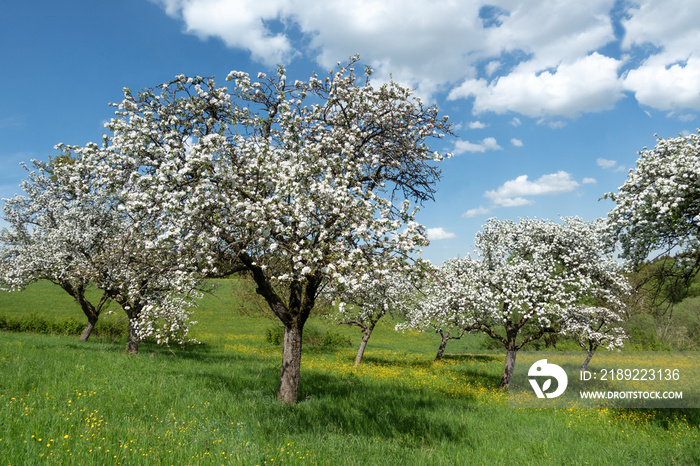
(291, 364)
(508, 369)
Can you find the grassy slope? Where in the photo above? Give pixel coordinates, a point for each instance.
(215, 403)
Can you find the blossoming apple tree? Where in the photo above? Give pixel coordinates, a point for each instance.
(52, 237)
(436, 305)
(529, 279)
(299, 184)
(593, 327)
(69, 230)
(368, 299)
(139, 265)
(657, 210)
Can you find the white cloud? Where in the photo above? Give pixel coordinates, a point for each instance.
(492, 67)
(476, 125)
(435, 234)
(589, 181)
(667, 87)
(558, 124)
(240, 24)
(554, 31)
(668, 79)
(610, 165)
(539, 58)
(512, 193)
(516, 142)
(672, 26)
(476, 212)
(607, 164)
(486, 144)
(590, 84)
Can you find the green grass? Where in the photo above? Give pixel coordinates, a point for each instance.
(67, 402)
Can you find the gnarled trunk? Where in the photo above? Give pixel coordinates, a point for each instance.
(291, 363)
(293, 315)
(132, 312)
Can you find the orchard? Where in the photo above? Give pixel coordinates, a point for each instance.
(311, 189)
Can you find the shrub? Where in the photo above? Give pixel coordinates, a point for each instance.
(335, 339)
(68, 326)
(642, 329)
(34, 323)
(274, 335)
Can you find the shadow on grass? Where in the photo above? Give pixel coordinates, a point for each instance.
(329, 402)
(344, 404)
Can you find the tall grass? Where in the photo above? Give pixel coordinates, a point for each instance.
(67, 402)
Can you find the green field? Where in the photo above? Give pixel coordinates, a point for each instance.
(67, 402)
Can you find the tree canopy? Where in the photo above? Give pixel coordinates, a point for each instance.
(299, 184)
(528, 279)
(657, 209)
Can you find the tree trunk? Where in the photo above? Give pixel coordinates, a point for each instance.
(92, 321)
(293, 315)
(77, 290)
(363, 344)
(291, 363)
(508, 369)
(441, 350)
(132, 312)
(132, 346)
(589, 356)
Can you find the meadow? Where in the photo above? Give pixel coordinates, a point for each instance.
(63, 401)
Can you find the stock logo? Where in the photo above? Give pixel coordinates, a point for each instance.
(542, 372)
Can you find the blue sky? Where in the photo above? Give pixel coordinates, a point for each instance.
(551, 100)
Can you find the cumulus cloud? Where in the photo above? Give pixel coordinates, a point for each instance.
(538, 58)
(516, 142)
(481, 210)
(513, 192)
(435, 234)
(666, 87)
(669, 78)
(519, 192)
(486, 144)
(240, 24)
(590, 84)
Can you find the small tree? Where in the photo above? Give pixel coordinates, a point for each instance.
(593, 327)
(370, 297)
(657, 213)
(138, 264)
(435, 305)
(299, 184)
(69, 230)
(53, 236)
(529, 279)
